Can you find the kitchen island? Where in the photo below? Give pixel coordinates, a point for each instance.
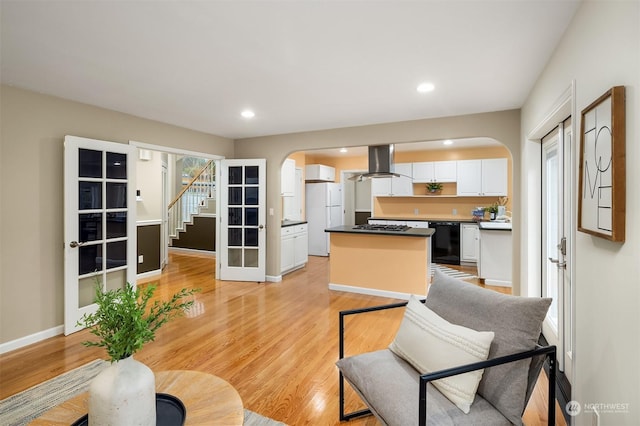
(382, 262)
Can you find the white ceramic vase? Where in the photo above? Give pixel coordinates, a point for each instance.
(123, 394)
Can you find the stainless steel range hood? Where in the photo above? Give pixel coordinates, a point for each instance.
(380, 162)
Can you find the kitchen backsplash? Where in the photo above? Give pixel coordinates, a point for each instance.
(436, 206)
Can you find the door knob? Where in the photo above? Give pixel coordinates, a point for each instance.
(261, 227)
(558, 263)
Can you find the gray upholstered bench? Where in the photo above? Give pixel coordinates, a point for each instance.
(398, 394)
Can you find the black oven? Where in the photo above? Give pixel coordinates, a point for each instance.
(445, 242)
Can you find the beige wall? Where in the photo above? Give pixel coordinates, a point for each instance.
(599, 50)
(503, 126)
(33, 127)
(149, 182)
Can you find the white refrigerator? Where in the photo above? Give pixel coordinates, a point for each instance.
(324, 210)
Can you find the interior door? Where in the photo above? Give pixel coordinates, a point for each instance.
(242, 250)
(556, 243)
(100, 222)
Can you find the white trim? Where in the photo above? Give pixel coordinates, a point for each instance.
(273, 278)
(149, 222)
(497, 283)
(177, 151)
(561, 109)
(188, 250)
(31, 339)
(371, 291)
(149, 274)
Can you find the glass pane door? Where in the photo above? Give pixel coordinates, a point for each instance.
(243, 239)
(100, 240)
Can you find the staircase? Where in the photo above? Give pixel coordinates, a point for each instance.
(197, 198)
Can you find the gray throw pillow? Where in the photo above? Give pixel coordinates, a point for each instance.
(516, 322)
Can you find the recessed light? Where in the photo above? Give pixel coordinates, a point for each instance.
(343, 150)
(247, 113)
(447, 142)
(425, 87)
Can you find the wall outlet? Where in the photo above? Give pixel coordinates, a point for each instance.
(141, 258)
(454, 212)
(416, 212)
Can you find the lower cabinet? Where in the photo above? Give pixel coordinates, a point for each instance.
(470, 236)
(294, 247)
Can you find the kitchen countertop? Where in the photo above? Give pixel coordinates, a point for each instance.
(411, 232)
(286, 223)
(494, 226)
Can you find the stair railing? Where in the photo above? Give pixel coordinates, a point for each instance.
(194, 195)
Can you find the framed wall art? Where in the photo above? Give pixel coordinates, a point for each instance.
(601, 202)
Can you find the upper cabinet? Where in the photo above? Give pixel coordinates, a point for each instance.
(288, 178)
(486, 177)
(394, 186)
(434, 171)
(319, 172)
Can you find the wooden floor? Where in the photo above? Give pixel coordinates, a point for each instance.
(276, 343)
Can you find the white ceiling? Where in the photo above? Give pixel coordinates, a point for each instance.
(300, 65)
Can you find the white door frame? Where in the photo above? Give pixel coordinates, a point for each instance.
(344, 178)
(178, 151)
(564, 107)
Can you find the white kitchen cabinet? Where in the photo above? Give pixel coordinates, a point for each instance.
(494, 177)
(495, 256)
(470, 235)
(286, 250)
(434, 171)
(294, 247)
(288, 178)
(301, 247)
(319, 172)
(487, 177)
(417, 224)
(394, 186)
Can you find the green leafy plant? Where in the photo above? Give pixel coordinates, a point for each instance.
(434, 187)
(493, 208)
(125, 319)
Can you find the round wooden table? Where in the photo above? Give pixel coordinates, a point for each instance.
(209, 400)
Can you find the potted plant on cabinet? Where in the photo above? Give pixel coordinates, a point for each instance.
(434, 187)
(493, 211)
(124, 322)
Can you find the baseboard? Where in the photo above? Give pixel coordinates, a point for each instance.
(497, 283)
(188, 250)
(371, 291)
(273, 278)
(149, 274)
(31, 339)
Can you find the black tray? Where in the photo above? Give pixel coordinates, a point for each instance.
(170, 411)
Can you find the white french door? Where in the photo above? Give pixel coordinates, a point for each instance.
(242, 249)
(556, 241)
(99, 224)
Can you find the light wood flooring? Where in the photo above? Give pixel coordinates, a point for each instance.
(276, 343)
